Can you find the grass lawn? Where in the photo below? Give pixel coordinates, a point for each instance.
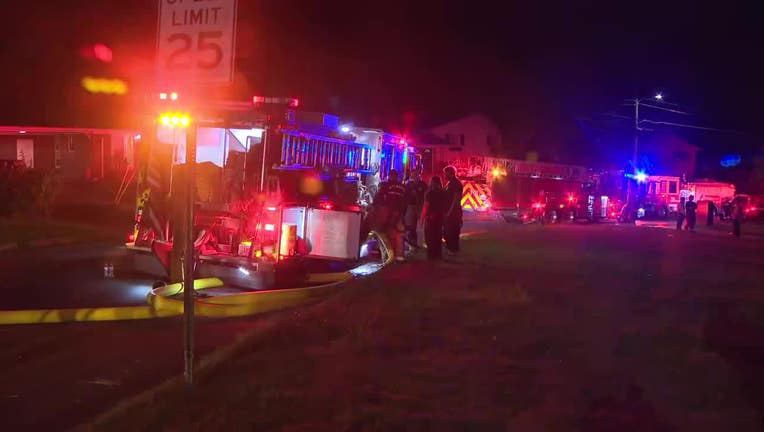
(554, 328)
(24, 230)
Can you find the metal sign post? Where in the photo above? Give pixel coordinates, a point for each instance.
(195, 48)
(188, 257)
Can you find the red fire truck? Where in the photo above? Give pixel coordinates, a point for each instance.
(274, 185)
(521, 190)
(527, 191)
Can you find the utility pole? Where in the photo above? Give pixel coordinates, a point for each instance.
(636, 135)
(635, 155)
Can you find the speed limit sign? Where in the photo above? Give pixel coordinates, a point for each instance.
(196, 41)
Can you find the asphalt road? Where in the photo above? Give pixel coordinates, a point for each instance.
(606, 281)
(69, 277)
(53, 376)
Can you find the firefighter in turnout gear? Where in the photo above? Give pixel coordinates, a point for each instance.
(452, 223)
(389, 208)
(415, 190)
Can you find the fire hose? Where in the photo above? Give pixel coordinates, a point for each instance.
(164, 301)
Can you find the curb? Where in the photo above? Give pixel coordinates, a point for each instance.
(702, 231)
(8, 246)
(34, 244)
(50, 242)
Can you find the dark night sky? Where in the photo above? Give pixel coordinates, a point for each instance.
(541, 69)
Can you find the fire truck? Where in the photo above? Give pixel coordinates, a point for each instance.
(706, 190)
(536, 191)
(659, 195)
(522, 190)
(274, 187)
(664, 192)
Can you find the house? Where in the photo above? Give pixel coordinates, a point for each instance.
(475, 135)
(74, 153)
(668, 154)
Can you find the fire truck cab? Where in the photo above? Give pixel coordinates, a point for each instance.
(662, 194)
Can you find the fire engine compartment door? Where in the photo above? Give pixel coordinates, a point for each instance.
(333, 234)
(296, 216)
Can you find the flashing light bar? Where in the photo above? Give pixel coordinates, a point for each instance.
(171, 96)
(175, 119)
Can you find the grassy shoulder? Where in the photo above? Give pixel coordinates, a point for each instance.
(23, 231)
(531, 328)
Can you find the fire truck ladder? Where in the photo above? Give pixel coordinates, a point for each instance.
(302, 150)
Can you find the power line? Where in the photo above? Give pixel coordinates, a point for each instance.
(664, 109)
(691, 126)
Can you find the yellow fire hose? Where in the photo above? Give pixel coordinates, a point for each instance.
(162, 301)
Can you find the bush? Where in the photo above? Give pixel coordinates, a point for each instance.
(23, 190)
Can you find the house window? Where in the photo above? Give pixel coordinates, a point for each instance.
(672, 187)
(57, 154)
(70, 144)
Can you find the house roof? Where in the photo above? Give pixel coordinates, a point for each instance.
(31, 130)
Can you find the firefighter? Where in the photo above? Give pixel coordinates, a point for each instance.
(691, 208)
(415, 191)
(432, 218)
(738, 214)
(712, 211)
(389, 206)
(680, 212)
(452, 222)
(726, 210)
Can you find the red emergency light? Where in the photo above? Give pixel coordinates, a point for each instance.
(290, 102)
(102, 52)
(326, 205)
